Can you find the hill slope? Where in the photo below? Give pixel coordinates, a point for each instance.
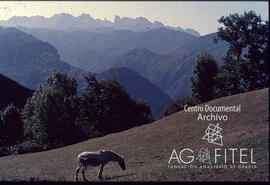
(28, 60)
(12, 92)
(148, 148)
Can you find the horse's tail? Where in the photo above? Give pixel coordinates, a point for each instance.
(81, 159)
(80, 164)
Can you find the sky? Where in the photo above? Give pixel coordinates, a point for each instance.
(201, 16)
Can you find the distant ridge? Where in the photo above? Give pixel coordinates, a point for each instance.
(65, 21)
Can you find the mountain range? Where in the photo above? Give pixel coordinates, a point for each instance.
(94, 51)
(65, 21)
(171, 71)
(163, 56)
(30, 61)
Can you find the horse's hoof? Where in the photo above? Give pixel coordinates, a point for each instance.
(100, 178)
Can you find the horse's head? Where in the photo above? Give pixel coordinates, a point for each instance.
(122, 164)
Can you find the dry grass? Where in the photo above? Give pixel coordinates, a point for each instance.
(147, 148)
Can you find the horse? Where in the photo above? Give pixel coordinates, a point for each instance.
(101, 157)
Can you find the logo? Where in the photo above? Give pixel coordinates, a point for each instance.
(222, 157)
(204, 156)
(213, 134)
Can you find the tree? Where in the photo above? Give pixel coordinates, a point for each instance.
(247, 57)
(229, 77)
(51, 113)
(90, 107)
(204, 81)
(2, 132)
(108, 108)
(11, 126)
(1, 104)
(142, 113)
(176, 106)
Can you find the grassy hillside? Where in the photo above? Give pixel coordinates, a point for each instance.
(148, 148)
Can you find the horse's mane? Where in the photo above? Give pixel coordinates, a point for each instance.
(115, 155)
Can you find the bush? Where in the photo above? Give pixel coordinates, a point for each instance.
(25, 147)
(177, 106)
(4, 151)
(11, 126)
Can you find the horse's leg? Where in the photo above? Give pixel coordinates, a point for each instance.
(77, 171)
(100, 172)
(83, 171)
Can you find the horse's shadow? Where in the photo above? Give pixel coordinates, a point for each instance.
(117, 176)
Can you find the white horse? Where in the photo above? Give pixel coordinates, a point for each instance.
(97, 158)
